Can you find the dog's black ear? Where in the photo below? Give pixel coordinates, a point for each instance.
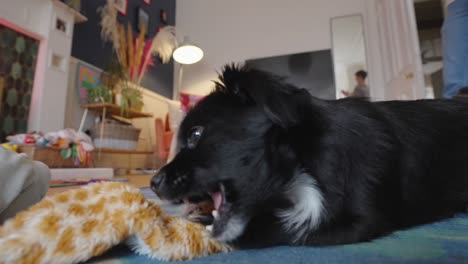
(281, 102)
(231, 79)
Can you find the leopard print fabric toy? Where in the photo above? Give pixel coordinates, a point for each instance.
(77, 225)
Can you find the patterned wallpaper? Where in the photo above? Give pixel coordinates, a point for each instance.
(18, 54)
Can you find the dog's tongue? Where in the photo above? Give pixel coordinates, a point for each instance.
(217, 200)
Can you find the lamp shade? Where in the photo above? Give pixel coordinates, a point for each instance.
(187, 54)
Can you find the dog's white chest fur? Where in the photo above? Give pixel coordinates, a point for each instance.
(308, 208)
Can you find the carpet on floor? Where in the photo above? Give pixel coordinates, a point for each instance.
(440, 242)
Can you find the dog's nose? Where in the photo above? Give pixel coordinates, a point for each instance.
(157, 180)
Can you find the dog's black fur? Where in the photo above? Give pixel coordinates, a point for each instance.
(378, 166)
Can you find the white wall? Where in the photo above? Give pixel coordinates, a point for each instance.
(27, 14)
(233, 31)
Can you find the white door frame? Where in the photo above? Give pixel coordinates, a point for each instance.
(383, 68)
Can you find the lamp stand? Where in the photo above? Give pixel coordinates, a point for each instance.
(178, 88)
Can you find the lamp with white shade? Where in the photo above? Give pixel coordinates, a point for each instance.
(185, 54)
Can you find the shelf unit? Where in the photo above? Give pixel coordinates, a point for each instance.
(116, 151)
(113, 110)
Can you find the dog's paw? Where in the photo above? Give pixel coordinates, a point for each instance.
(226, 227)
(215, 215)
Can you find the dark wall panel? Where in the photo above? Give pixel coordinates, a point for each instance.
(89, 47)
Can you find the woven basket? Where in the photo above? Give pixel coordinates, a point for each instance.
(115, 136)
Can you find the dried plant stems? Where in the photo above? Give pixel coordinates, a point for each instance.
(131, 51)
(163, 44)
(139, 53)
(123, 47)
(109, 29)
(135, 55)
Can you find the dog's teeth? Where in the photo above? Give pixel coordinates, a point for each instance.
(215, 214)
(209, 228)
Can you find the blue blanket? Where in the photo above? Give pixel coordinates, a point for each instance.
(441, 242)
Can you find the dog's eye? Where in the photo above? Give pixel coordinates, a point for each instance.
(194, 136)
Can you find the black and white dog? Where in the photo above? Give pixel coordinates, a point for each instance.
(285, 168)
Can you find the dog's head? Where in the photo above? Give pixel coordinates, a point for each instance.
(230, 148)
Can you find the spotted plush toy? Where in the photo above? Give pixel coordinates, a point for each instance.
(76, 225)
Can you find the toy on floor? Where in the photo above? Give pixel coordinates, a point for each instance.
(10, 147)
(76, 225)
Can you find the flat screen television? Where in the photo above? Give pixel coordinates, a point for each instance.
(310, 70)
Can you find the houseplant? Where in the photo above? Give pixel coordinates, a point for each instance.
(99, 94)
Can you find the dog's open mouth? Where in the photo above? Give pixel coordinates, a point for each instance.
(205, 208)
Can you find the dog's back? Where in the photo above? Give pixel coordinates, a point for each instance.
(433, 158)
(388, 165)
(424, 162)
